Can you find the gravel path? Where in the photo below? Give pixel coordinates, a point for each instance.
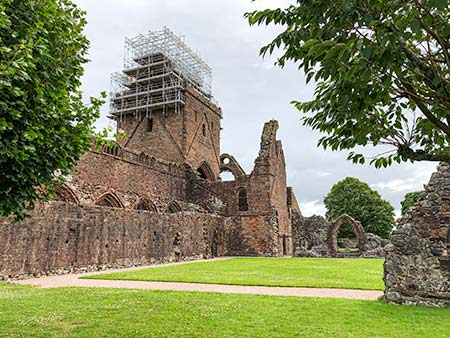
(74, 280)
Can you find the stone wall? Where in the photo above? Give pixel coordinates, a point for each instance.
(65, 237)
(316, 237)
(417, 266)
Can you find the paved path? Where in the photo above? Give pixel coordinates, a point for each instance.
(74, 280)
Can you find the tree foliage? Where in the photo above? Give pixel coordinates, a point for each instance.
(410, 199)
(382, 69)
(44, 126)
(356, 199)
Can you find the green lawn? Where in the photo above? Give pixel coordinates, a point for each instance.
(84, 312)
(365, 274)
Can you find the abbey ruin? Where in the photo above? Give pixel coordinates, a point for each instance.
(157, 196)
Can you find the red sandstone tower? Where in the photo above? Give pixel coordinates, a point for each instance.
(163, 101)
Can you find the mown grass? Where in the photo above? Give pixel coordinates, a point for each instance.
(365, 274)
(83, 312)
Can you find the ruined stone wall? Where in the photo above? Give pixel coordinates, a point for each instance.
(316, 237)
(265, 228)
(417, 266)
(65, 237)
(128, 178)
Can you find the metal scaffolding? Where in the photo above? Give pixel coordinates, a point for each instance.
(156, 67)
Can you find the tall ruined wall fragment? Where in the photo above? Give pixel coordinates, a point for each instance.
(417, 266)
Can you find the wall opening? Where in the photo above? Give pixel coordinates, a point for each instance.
(346, 241)
(345, 246)
(145, 205)
(205, 172)
(204, 129)
(227, 176)
(242, 199)
(149, 124)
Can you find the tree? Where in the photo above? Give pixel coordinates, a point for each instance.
(356, 199)
(44, 126)
(410, 199)
(382, 69)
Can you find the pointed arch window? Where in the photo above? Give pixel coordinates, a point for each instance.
(173, 207)
(242, 200)
(108, 200)
(145, 205)
(205, 172)
(64, 194)
(149, 124)
(204, 129)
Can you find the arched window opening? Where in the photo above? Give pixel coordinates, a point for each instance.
(149, 124)
(205, 172)
(65, 194)
(145, 205)
(242, 200)
(204, 129)
(173, 207)
(108, 200)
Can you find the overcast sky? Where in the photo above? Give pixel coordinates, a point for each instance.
(250, 90)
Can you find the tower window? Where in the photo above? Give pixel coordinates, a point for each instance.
(212, 125)
(204, 129)
(149, 124)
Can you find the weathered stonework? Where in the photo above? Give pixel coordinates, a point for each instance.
(417, 266)
(316, 237)
(66, 237)
(156, 197)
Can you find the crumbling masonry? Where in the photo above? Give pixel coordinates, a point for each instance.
(417, 266)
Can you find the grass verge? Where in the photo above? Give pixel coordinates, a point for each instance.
(364, 274)
(84, 312)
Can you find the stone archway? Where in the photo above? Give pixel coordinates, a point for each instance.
(334, 231)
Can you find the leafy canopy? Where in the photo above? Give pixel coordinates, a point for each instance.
(44, 126)
(382, 69)
(356, 199)
(410, 199)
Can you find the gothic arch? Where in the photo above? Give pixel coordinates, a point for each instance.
(229, 163)
(334, 230)
(109, 199)
(65, 194)
(173, 207)
(242, 199)
(144, 204)
(205, 171)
